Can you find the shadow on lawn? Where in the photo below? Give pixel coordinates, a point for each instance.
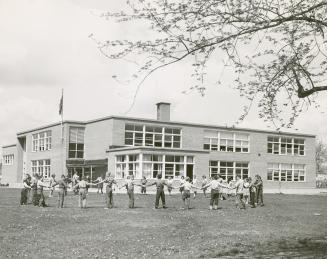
(303, 247)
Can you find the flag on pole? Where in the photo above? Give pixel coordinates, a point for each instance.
(61, 104)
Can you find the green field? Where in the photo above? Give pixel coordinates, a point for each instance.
(287, 226)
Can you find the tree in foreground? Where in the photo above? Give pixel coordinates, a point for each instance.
(276, 49)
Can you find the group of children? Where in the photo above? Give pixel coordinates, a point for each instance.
(246, 191)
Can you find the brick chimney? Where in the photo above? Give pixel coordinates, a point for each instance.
(163, 111)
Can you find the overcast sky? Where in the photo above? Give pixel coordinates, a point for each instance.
(45, 47)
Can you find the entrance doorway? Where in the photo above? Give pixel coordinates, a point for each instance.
(189, 171)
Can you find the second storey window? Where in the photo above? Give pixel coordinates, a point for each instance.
(8, 159)
(226, 141)
(76, 142)
(229, 169)
(285, 146)
(152, 136)
(41, 141)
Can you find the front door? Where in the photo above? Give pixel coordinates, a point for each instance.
(189, 171)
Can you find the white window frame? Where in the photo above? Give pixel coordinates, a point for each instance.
(8, 159)
(276, 170)
(42, 141)
(133, 132)
(41, 167)
(289, 141)
(218, 167)
(218, 139)
(186, 160)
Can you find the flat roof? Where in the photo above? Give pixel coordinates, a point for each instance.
(174, 123)
(11, 145)
(156, 149)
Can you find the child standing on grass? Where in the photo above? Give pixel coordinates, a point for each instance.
(194, 182)
(130, 183)
(170, 182)
(259, 188)
(99, 182)
(160, 184)
(51, 182)
(34, 190)
(239, 186)
(252, 190)
(187, 186)
(215, 186)
(24, 191)
(204, 183)
(143, 185)
(62, 184)
(246, 191)
(182, 181)
(81, 185)
(40, 194)
(110, 181)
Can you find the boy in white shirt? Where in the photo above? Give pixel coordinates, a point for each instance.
(215, 186)
(187, 186)
(239, 186)
(82, 185)
(170, 182)
(194, 182)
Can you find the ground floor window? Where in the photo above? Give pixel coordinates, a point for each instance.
(41, 167)
(286, 172)
(150, 165)
(229, 169)
(8, 159)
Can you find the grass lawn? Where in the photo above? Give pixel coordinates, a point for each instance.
(287, 226)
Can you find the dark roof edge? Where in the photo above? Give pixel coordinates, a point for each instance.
(156, 149)
(11, 145)
(51, 125)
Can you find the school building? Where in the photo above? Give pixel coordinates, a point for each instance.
(147, 147)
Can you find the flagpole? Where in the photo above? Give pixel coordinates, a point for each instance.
(61, 112)
(62, 115)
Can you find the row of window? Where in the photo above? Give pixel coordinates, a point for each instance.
(276, 171)
(229, 170)
(41, 167)
(152, 136)
(168, 165)
(8, 159)
(41, 141)
(285, 146)
(226, 141)
(286, 172)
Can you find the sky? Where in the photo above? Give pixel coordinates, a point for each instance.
(45, 47)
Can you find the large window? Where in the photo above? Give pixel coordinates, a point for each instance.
(150, 165)
(76, 142)
(41, 141)
(229, 169)
(8, 159)
(285, 146)
(286, 172)
(41, 167)
(226, 141)
(152, 136)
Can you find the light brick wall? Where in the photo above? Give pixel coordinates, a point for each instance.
(9, 172)
(98, 138)
(56, 154)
